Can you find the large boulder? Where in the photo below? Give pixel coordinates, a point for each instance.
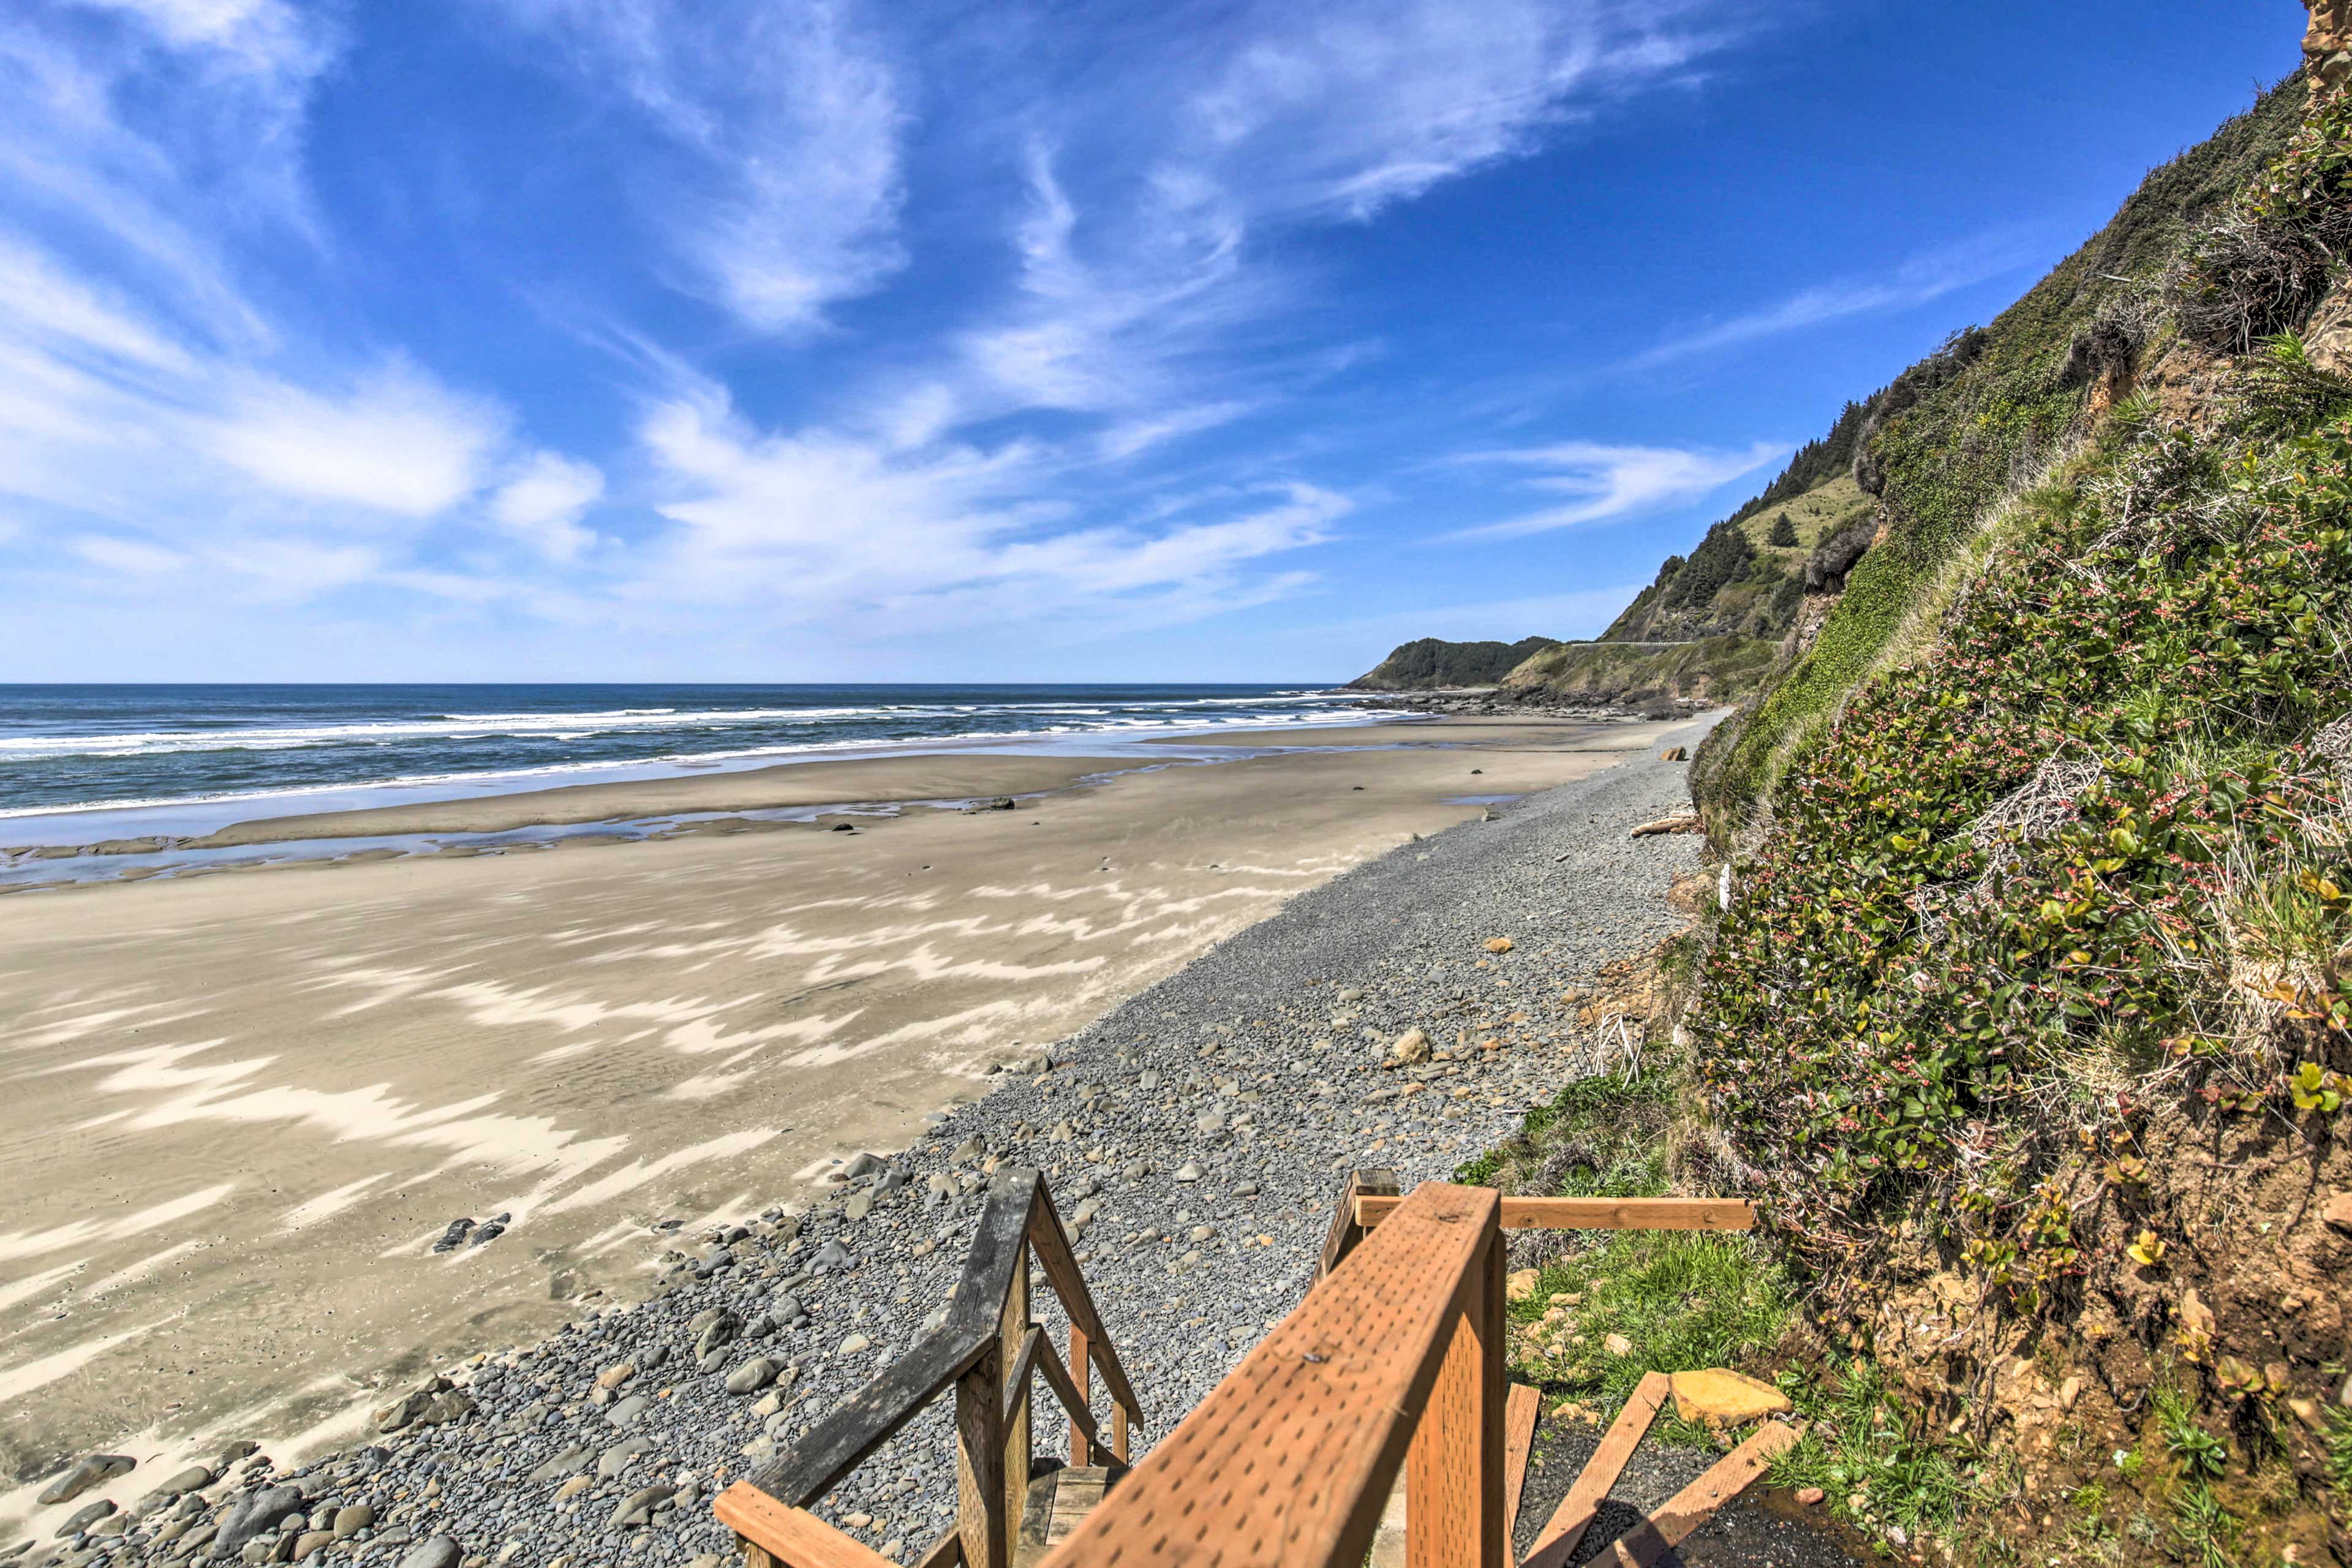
(254, 1515)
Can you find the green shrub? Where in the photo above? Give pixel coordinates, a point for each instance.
(1897, 967)
(1944, 461)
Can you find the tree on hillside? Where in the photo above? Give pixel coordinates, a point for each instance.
(1783, 530)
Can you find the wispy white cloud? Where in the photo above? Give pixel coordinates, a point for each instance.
(822, 524)
(1916, 282)
(1346, 108)
(171, 406)
(784, 121)
(1604, 481)
(543, 504)
(141, 390)
(397, 442)
(1138, 292)
(134, 556)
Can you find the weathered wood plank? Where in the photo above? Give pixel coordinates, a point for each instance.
(1081, 1420)
(947, 1552)
(1648, 1543)
(1053, 1247)
(792, 1537)
(1082, 1373)
(1346, 1229)
(1453, 1487)
(862, 1423)
(1599, 1213)
(1564, 1532)
(1519, 1411)
(1014, 1331)
(1036, 1519)
(1290, 1459)
(1080, 1493)
(980, 1515)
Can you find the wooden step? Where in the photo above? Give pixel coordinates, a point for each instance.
(1059, 1501)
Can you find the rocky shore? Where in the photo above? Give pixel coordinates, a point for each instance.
(1493, 702)
(1405, 1015)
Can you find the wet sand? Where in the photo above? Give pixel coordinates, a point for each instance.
(865, 780)
(242, 1107)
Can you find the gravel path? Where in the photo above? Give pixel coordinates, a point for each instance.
(1194, 1139)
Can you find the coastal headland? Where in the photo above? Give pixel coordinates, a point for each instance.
(245, 1106)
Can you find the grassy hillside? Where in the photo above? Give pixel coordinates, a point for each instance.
(1730, 606)
(1717, 668)
(1432, 663)
(2025, 1009)
(1977, 421)
(2029, 1020)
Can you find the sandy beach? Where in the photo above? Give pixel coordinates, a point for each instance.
(243, 1106)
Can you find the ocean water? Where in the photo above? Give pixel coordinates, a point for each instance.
(164, 752)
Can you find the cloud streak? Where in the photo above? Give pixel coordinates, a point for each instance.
(924, 319)
(1916, 282)
(783, 181)
(1603, 482)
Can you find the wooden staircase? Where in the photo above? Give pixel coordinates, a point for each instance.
(1372, 1425)
(1059, 1501)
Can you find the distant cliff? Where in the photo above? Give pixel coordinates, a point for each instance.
(1433, 663)
(1714, 625)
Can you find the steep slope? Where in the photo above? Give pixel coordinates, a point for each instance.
(1432, 663)
(1978, 421)
(1710, 629)
(1715, 624)
(2028, 1014)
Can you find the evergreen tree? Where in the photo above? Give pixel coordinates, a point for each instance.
(1783, 530)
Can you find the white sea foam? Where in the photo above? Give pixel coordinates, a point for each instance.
(1170, 717)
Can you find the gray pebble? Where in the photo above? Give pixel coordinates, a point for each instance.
(435, 1552)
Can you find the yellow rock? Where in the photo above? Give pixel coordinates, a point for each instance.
(1500, 944)
(1728, 1397)
(1520, 1286)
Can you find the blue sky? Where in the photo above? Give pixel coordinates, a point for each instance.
(851, 339)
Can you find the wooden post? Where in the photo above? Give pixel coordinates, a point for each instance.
(981, 1518)
(1346, 1231)
(1118, 1430)
(1011, 1327)
(1082, 1373)
(1453, 1472)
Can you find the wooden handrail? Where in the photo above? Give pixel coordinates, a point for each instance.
(1347, 1227)
(790, 1534)
(986, 1351)
(1596, 1214)
(1052, 1245)
(1290, 1459)
(1037, 1354)
(1024, 1363)
(1393, 1361)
